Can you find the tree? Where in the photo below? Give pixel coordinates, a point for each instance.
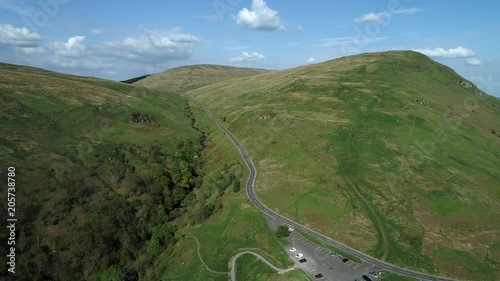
(236, 185)
(282, 231)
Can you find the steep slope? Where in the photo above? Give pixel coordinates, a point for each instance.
(100, 170)
(392, 153)
(195, 76)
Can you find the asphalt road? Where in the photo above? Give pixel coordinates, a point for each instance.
(255, 200)
(277, 269)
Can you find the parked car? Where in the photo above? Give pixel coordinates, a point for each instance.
(291, 229)
(366, 278)
(318, 276)
(374, 274)
(299, 256)
(303, 261)
(345, 260)
(293, 249)
(334, 254)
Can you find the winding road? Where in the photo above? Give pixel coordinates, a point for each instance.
(255, 200)
(277, 269)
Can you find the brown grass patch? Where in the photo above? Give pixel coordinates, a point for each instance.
(239, 230)
(323, 98)
(349, 232)
(302, 95)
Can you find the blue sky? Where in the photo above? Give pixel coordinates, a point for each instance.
(123, 39)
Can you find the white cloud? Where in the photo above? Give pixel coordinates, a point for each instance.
(379, 17)
(261, 17)
(73, 48)
(247, 57)
(32, 50)
(17, 36)
(459, 52)
(371, 17)
(311, 60)
(153, 47)
(352, 40)
(82, 63)
(97, 31)
(17, 6)
(473, 61)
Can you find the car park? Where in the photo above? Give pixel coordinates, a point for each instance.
(299, 256)
(318, 276)
(303, 261)
(293, 249)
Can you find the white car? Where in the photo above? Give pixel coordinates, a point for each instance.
(293, 249)
(290, 229)
(299, 256)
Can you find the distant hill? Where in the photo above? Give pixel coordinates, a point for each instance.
(391, 152)
(135, 79)
(191, 77)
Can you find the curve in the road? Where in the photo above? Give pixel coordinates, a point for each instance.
(253, 197)
(277, 269)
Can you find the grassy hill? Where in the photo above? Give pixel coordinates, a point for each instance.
(112, 178)
(102, 168)
(391, 153)
(190, 77)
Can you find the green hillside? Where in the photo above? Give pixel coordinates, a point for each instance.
(190, 77)
(102, 169)
(391, 153)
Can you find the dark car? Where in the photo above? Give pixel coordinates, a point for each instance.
(318, 276)
(302, 260)
(366, 278)
(345, 260)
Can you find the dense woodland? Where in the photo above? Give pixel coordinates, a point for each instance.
(107, 215)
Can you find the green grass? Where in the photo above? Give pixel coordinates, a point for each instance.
(195, 76)
(346, 145)
(237, 226)
(395, 277)
(465, 264)
(250, 268)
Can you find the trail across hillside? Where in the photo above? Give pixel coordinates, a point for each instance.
(277, 269)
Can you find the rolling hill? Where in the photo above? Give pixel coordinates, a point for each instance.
(98, 174)
(391, 153)
(190, 77)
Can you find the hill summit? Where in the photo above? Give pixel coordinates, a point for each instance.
(190, 77)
